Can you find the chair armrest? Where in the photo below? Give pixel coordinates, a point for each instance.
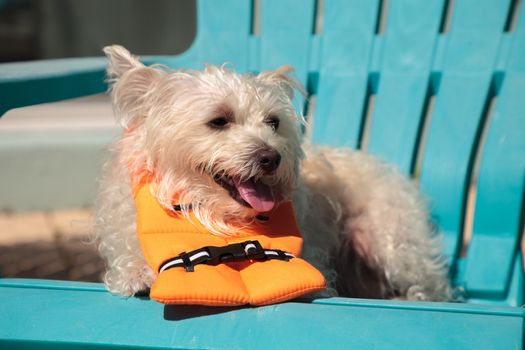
(27, 83)
(33, 82)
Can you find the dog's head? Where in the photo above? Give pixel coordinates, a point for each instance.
(229, 144)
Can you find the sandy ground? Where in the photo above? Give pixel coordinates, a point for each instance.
(52, 245)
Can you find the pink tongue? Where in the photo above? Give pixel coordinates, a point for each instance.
(258, 195)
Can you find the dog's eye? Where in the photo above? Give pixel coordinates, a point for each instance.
(219, 122)
(273, 121)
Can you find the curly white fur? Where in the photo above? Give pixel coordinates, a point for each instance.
(364, 225)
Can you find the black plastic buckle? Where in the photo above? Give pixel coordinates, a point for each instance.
(248, 250)
(186, 262)
(232, 252)
(256, 252)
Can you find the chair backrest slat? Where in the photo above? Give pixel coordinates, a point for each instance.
(469, 60)
(345, 54)
(223, 33)
(285, 37)
(409, 43)
(495, 241)
(286, 30)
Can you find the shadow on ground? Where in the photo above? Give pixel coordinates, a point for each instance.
(72, 259)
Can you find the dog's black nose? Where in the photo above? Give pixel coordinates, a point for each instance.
(269, 160)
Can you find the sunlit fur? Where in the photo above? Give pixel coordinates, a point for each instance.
(364, 225)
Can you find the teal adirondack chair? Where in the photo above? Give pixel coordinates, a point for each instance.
(441, 89)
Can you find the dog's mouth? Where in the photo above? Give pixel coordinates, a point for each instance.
(251, 193)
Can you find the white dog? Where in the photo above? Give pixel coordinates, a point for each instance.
(232, 144)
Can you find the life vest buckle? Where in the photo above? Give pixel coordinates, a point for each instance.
(235, 252)
(212, 255)
(254, 250)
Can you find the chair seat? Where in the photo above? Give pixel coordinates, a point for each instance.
(84, 315)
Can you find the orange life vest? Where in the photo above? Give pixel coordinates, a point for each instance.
(166, 235)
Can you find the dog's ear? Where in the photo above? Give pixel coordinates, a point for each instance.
(282, 77)
(130, 82)
(120, 61)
